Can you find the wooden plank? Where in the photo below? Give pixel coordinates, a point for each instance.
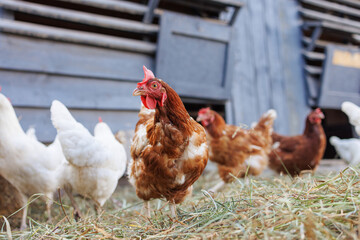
(292, 64)
(149, 14)
(356, 37)
(79, 37)
(313, 85)
(227, 3)
(259, 34)
(275, 71)
(120, 6)
(334, 6)
(353, 3)
(37, 55)
(5, 14)
(326, 17)
(340, 28)
(40, 119)
(313, 70)
(322, 44)
(28, 89)
(80, 17)
(244, 91)
(315, 56)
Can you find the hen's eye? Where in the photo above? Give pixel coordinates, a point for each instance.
(154, 85)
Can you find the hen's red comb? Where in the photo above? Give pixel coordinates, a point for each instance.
(148, 74)
(318, 110)
(100, 119)
(0, 88)
(204, 110)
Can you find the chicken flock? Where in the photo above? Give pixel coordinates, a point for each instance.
(169, 151)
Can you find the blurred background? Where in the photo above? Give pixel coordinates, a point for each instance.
(238, 57)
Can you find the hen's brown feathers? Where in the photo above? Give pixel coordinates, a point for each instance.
(169, 151)
(237, 150)
(297, 153)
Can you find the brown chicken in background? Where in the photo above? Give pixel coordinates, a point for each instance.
(169, 150)
(237, 151)
(294, 154)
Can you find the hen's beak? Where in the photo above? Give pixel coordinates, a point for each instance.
(200, 118)
(138, 92)
(321, 116)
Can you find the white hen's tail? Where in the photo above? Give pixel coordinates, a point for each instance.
(61, 117)
(78, 145)
(31, 132)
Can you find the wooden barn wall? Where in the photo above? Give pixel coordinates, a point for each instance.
(268, 69)
(92, 82)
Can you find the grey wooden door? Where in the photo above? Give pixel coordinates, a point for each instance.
(341, 78)
(195, 56)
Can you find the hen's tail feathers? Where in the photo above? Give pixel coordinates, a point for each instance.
(352, 111)
(334, 140)
(121, 137)
(61, 117)
(31, 133)
(267, 119)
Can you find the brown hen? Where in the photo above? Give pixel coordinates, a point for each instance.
(169, 150)
(291, 155)
(237, 151)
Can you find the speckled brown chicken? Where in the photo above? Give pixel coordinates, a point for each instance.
(237, 151)
(169, 150)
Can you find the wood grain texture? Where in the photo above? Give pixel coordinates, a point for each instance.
(39, 118)
(38, 55)
(78, 37)
(38, 90)
(268, 65)
(79, 17)
(192, 52)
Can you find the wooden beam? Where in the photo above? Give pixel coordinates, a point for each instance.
(313, 70)
(315, 56)
(227, 3)
(327, 17)
(72, 36)
(313, 85)
(149, 14)
(353, 3)
(120, 6)
(80, 17)
(6, 14)
(331, 26)
(340, 28)
(334, 6)
(322, 44)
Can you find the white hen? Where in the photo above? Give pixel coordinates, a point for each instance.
(95, 163)
(353, 113)
(26, 163)
(347, 149)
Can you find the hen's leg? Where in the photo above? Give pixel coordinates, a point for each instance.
(172, 207)
(146, 209)
(49, 202)
(23, 225)
(77, 213)
(215, 188)
(97, 207)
